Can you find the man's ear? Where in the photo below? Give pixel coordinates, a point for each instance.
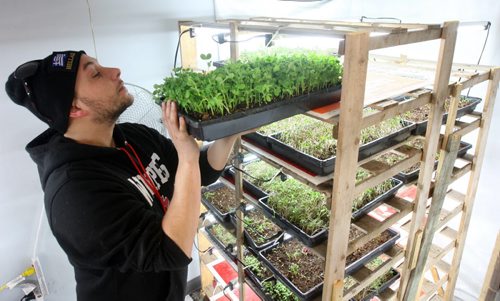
(77, 111)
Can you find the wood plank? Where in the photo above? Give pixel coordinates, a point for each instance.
(384, 104)
(467, 127)
(383, 174)
(436, 277)
(488, 107)
(443, 266)
(491, 284)
(374, 227)
(449, 232)
(411, 280)
(353, 83)
(429, 288)
(399, 38)
(187, 46)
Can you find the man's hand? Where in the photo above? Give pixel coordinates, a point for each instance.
(186, 146)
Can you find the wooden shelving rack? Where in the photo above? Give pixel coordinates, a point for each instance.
(421, 219)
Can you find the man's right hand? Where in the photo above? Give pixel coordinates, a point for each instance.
(186, 146)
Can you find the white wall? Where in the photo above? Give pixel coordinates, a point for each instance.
(140, 38)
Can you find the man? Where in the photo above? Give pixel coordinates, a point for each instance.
(122, 200)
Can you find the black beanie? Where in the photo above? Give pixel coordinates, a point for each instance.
(47, 87)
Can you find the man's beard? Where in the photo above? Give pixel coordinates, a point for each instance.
(107, 115)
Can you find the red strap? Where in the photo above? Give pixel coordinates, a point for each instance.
(164, 201)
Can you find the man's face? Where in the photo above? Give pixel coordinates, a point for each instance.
(101, 90)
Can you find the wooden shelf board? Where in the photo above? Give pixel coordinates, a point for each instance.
(372, 226)
(430, 288)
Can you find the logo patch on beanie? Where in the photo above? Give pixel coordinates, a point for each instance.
(63, 60)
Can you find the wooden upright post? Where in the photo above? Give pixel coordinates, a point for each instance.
(491, 286)
(448, 39)
(238, 180)
(474, 180)
(353, 92)
(188, 51)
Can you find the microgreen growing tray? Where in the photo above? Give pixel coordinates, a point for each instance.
(253, 118)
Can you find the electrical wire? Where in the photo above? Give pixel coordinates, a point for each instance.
(179, 45)
(239, 41)
(488, 26)
(92, 28)
(380, 18)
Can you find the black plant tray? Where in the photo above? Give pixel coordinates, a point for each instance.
(262, 293)
(382, 288)
(248, 187)
(258, 139)
(221, 216)
(326, 166)
(308, 240)
(253, 118)
(252, 244)
(381, 198)
(309, 295)
(421, 127)
(354, 266)
(228, 250)
(412, 176)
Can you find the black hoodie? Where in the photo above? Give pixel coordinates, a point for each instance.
(107, 220)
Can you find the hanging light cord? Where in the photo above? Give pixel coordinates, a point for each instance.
(92, 28)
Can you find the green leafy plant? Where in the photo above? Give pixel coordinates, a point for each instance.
(248, 83)
(294, 269)
(260, 228)
(256, 267)
(315, 137)
(422, 114)
(278, 291)
(224, 236)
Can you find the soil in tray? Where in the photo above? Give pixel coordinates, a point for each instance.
(297, 263)
(422, 113)
(260, 228)
(368, 247)
(375, 286)
(315, 138)
(223, 199)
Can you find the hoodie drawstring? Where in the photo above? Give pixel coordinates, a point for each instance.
(164, 201)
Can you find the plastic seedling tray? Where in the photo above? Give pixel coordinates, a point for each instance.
(413, 175)
(248, 187)
(421, 127)
(396, 184)
(228, 250)
(382, 288)
(309, 295)
(258, 139)
(253, 118)
(308, 240)
(326, 166)
(249, 240)
(356, 265)
(221, 216)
